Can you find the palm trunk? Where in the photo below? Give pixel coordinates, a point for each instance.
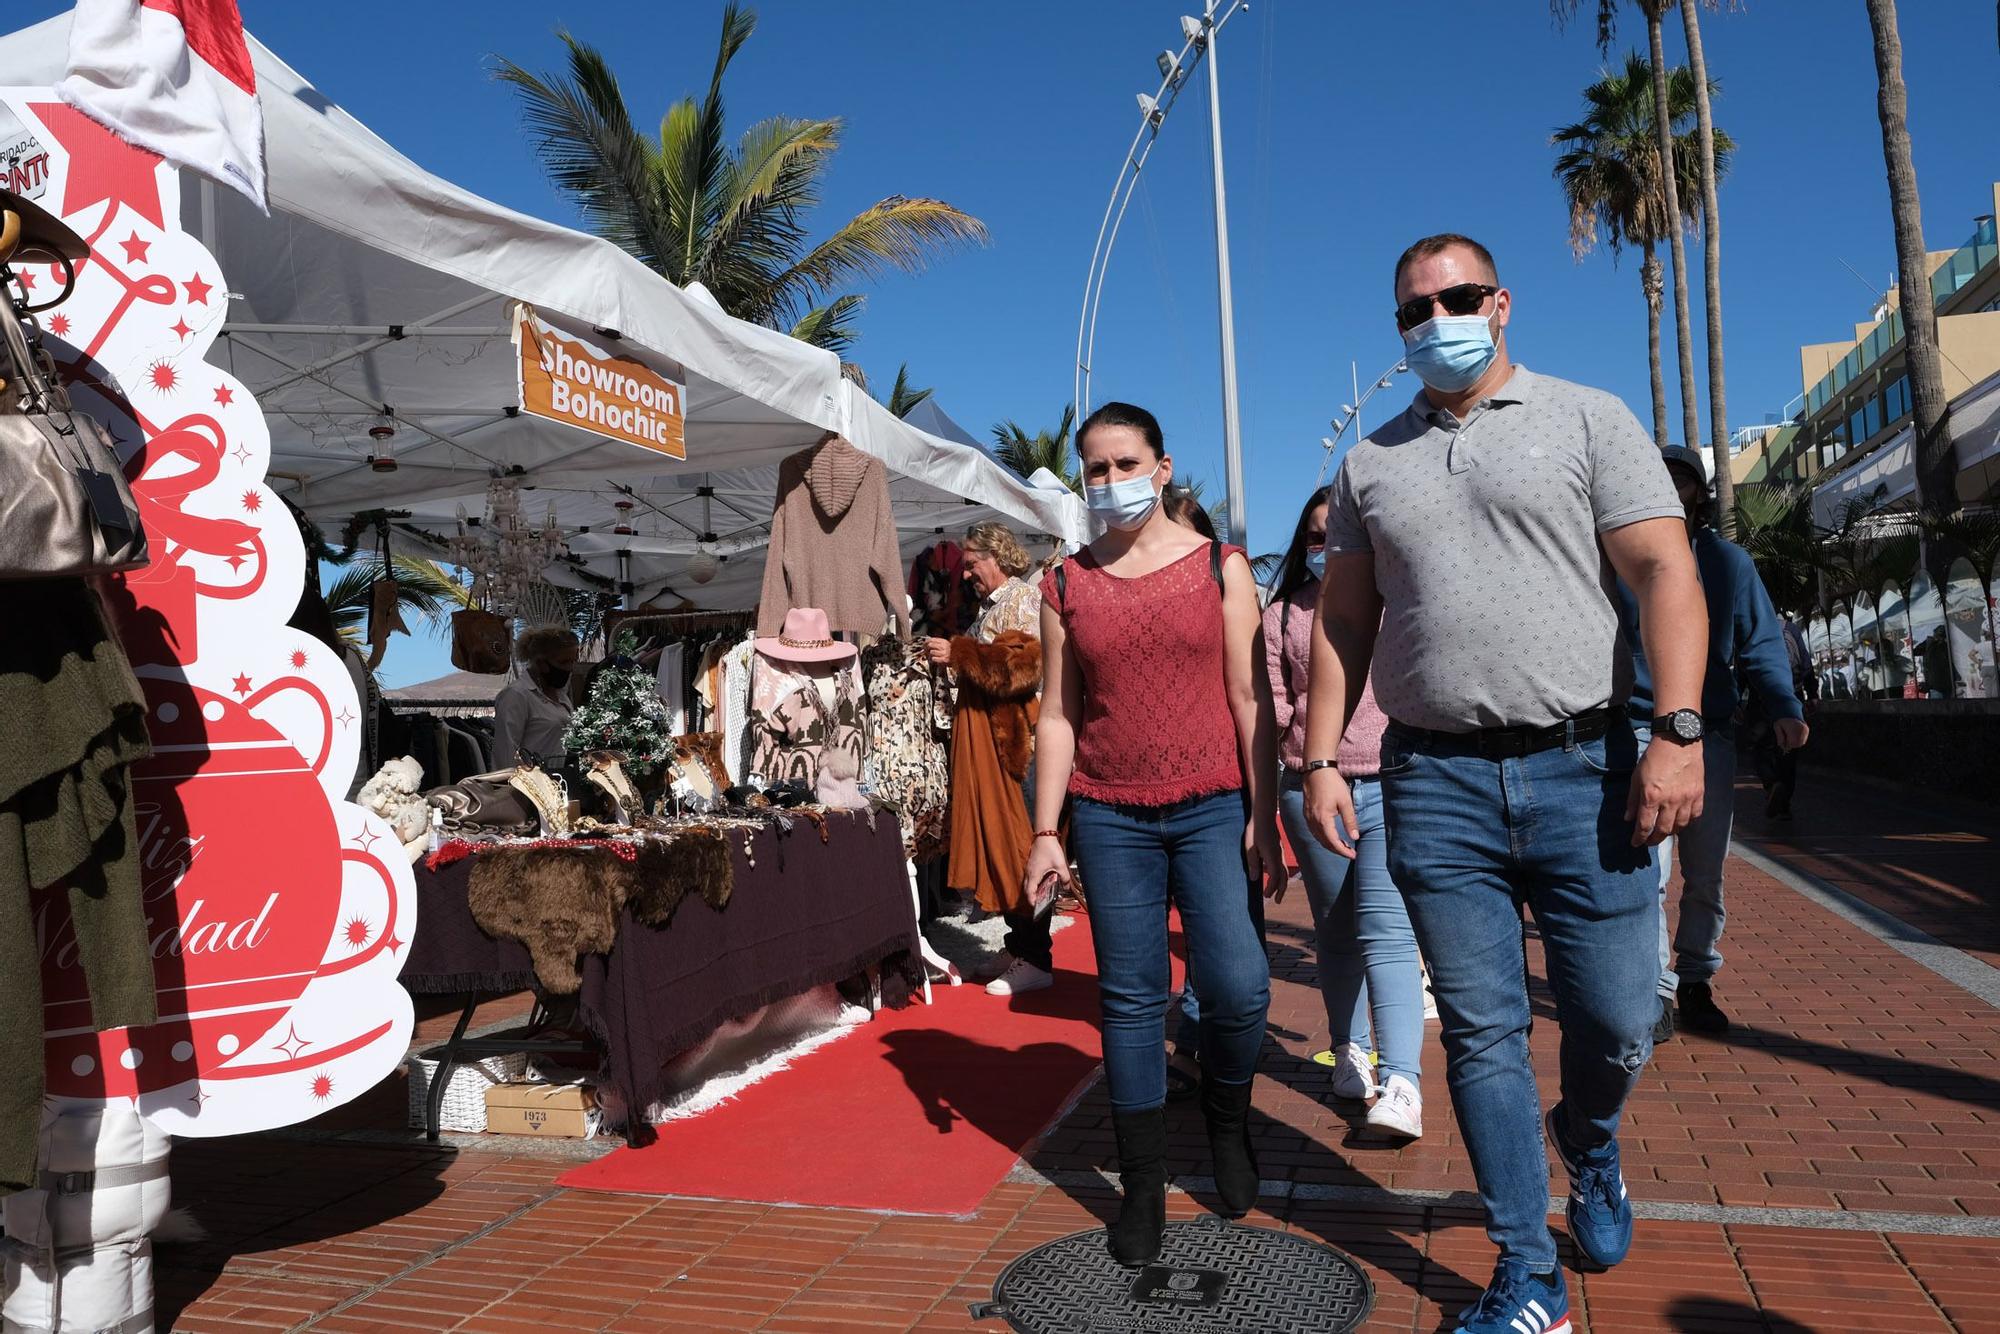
(1935, 459)
(1711, 237)
(1663, 123)
(1654, 282)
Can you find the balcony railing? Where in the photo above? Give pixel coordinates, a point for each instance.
(1963, 266)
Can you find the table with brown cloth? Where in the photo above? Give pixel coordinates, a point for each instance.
(807, 913)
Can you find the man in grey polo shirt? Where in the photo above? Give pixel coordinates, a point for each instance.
(1471, 550)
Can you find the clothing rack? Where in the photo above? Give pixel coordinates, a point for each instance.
(642, 622)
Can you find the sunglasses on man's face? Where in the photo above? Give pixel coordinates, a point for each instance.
(1458, 299)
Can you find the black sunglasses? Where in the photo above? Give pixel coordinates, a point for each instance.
(1458, 299)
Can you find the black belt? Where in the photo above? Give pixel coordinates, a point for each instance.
(1508, 743)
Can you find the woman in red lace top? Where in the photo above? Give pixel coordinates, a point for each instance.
(1156, 718)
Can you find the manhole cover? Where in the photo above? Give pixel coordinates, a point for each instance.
(1212, 1277)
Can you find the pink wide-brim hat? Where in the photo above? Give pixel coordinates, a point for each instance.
(805, 638)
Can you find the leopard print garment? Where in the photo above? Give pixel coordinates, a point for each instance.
(909, 762)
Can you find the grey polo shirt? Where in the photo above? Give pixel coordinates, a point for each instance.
(1498, 602)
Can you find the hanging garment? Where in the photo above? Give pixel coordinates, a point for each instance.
(909, 760)
(991, 738)
(75, 723)
(735, 725)
(833, 543)
(671, 682)
(794, 726)
(940, 604)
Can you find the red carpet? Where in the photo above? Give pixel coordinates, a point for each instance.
(922, 1111)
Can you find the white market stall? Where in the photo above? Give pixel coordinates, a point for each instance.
(377, 297)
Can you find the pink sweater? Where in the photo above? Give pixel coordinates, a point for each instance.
(1288, 658)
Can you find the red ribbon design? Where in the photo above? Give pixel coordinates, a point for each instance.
(200, 440)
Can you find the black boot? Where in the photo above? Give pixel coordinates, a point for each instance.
(1134, 1240)
(1226, 1108)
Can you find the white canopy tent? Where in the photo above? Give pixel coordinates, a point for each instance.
(376, 291)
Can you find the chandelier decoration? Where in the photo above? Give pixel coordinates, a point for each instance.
(506, 554)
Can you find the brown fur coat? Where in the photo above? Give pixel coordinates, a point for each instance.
(992, 739)
(1001, 680)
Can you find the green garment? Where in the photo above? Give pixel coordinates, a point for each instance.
(72, 722)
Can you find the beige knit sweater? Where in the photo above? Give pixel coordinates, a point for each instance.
(833, 543)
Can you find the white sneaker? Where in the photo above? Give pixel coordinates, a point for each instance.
(1430, 1001)
(1400, 1109)
(1020, 978)
(1353, 1072)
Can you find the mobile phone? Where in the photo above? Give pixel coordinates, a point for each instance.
(1045, 894)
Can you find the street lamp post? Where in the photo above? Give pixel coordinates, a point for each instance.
(1232, 425)
(1174, 69)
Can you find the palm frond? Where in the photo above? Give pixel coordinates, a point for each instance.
(898, 235)
(832, 327)
(903, 396)
(1024, 454)
(422, 586)
(584, 136)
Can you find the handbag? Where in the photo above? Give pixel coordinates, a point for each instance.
(486, 804)
(66, 509)
(479, 641)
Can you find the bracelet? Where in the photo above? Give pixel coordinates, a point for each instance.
(1312, 766)
(1049, 833)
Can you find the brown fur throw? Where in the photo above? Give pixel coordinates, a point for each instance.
(694, 861)
(560, 902)
(563, 903)
(1000, 679)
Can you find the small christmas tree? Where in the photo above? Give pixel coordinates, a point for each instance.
(623, 714)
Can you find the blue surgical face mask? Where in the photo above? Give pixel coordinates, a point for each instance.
(1450, 352)
(1124, 505)
(1316, 561)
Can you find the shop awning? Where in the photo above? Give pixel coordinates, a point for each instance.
(378, 290)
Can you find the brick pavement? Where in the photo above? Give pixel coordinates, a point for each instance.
(1793, 1177)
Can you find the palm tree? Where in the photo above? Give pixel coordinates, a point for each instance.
(696, 208)
(1711, 242)
(1610, 176)
(1607, 23)
(1935, 458)
(903, 397)
(1774, 524)
(423, 587)
(1025, 453)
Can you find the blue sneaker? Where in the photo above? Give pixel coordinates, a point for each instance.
(1600, 1215)
(1518, 1302)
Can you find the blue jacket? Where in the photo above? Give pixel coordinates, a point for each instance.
(1745, 635)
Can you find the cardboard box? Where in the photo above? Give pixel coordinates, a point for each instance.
(567, 1110)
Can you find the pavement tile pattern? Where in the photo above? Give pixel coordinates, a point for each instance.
(1833, 1165)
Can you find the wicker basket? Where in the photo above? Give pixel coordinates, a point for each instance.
(465, 1097)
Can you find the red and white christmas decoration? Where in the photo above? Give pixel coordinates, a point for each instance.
(173, 77)
(279, 911)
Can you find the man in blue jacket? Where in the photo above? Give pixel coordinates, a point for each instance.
(1746, 641)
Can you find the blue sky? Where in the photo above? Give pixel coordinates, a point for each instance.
(1350, 130)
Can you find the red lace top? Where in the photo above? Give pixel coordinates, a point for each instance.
(1156, 722)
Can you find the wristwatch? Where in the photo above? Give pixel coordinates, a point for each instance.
(1314, 766)
(1682, 727)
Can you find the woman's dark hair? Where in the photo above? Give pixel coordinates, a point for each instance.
(1185, 510)
(1293, 574)
(1124, 414)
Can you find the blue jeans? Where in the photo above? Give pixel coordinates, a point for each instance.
(1693, 951)
(1187, 1034)
(1470, 841)
(1134, 860)
(1367, 949)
